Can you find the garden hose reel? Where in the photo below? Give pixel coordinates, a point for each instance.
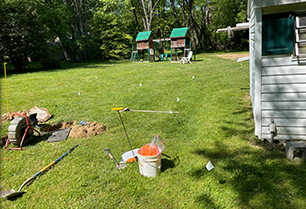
(20, 130)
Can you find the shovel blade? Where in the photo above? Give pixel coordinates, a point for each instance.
(121, 166)
(10, 193)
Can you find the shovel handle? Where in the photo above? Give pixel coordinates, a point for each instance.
(45, 168)
(55, 161)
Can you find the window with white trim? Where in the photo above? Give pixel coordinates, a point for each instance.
(300, 35)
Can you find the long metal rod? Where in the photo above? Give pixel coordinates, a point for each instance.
(127, 135)
(152, 111)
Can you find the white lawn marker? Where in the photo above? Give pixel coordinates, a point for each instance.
(209, 166)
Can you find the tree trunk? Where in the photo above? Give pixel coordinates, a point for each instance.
(175, 14)
(85, 23)
(198, 33)
(183, 14)
(78, 18)
(85, 27)
(142, 8)
(134, 13)
(148, 15)
(190, 5)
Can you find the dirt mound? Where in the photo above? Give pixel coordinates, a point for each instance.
(7, 116)
(77, 131)
(91, 129)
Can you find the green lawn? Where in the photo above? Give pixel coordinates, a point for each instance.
(214, 123)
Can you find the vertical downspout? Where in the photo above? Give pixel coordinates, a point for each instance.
(272, 130)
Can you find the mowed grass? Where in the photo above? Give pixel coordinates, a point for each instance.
(214, 123)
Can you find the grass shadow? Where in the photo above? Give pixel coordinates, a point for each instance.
(32, 141)
(65, 65)
(169, 162)
(259, 177)
(37, 139)
(252, 173)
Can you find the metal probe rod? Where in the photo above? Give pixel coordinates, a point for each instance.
(118, 109)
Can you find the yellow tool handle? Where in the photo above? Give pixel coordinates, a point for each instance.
(7, 103)
(48, 166)
(117, 108)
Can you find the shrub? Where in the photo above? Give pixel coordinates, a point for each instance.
(50, 63)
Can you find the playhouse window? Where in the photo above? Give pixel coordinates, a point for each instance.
(300, 35)
(277, 34)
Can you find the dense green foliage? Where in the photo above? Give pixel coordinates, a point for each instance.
(111, 22)
(21, 34)
(227, 13)
(106, 29)
(214, 123)
(48, 63)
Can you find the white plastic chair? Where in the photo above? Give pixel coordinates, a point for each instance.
(187, 59)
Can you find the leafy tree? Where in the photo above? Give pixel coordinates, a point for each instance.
(105, 29)
(21, 34)
(70, 21)
(227, 13)
(112, 21)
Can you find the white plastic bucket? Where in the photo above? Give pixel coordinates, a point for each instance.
(149, 165)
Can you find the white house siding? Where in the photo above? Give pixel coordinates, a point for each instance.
(284, 97)
(252, 55)
(258, 55)
(255, 64)
(277, 83)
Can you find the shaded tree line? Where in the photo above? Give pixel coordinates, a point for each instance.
(105, 29)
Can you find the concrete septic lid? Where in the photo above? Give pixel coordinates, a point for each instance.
(42, 113)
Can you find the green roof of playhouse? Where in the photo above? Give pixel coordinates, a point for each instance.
(179, 32)
(143, 35)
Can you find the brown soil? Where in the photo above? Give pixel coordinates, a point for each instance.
(7, 116)
(82, 131)
(232, 56)
(77, 131)
(57, 126)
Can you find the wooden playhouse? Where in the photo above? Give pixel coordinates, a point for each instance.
(277, 32)
(144, 44)
(180, 39)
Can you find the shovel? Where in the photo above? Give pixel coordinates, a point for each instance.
(12, 193)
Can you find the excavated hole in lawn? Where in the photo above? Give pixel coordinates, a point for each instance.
(77, 131)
